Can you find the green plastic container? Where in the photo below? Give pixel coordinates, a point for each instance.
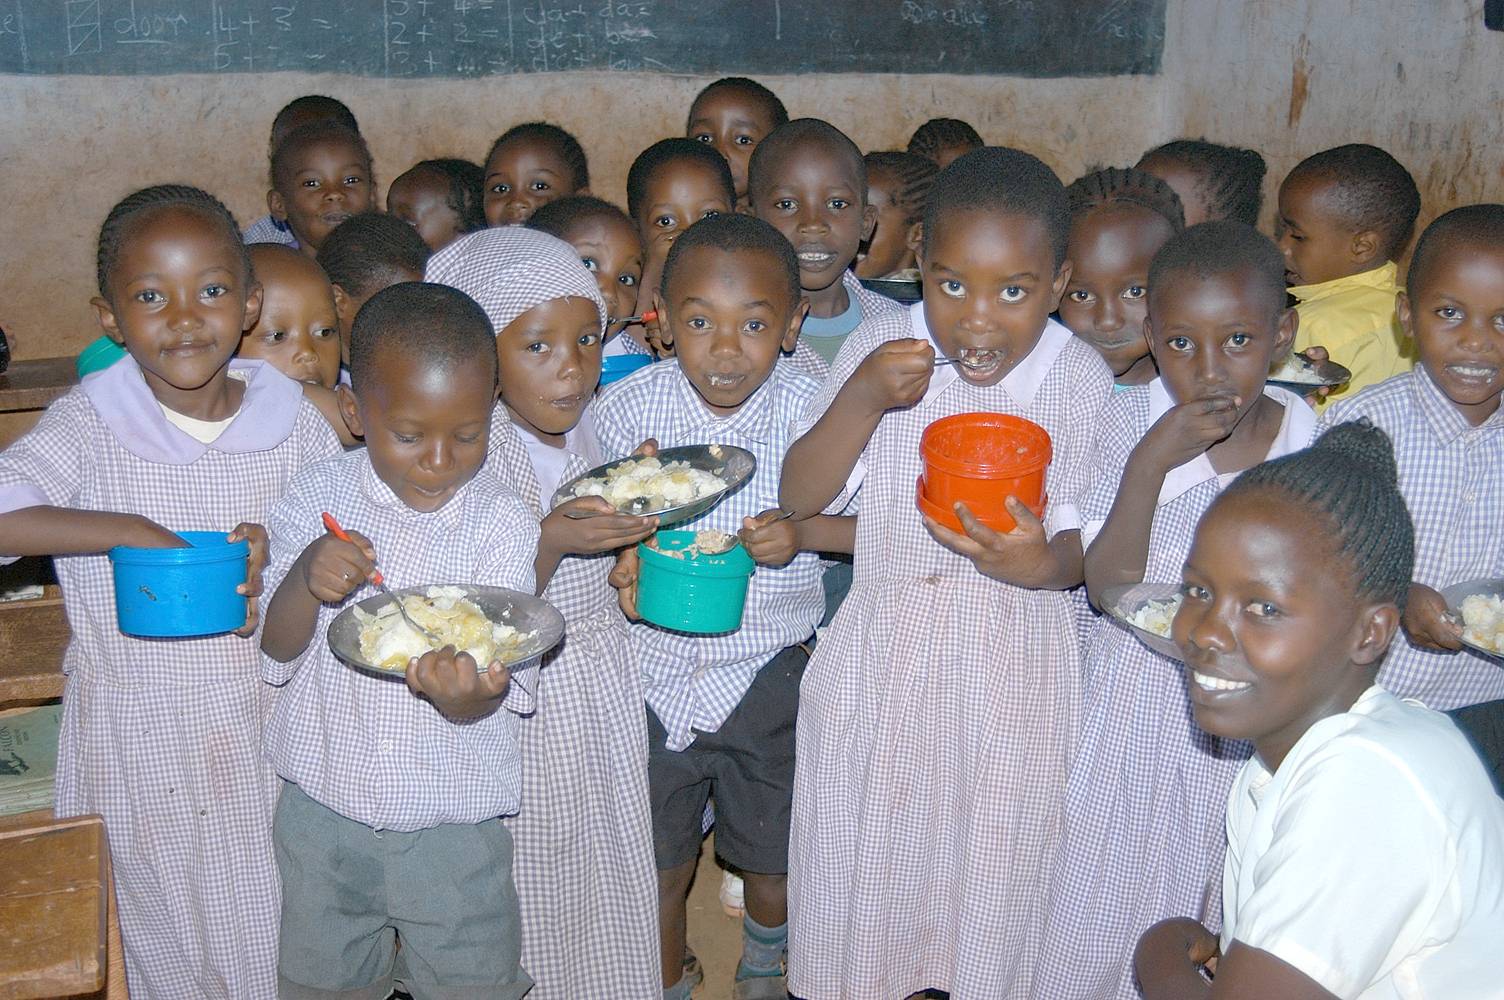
(98, 356)
(701, 594)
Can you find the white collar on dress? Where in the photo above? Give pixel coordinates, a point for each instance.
(1295, 432)
(1021, 383)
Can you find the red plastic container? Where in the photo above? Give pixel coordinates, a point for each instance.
(979, 459)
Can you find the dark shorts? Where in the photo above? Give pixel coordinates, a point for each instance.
(746, 767)
(348, 892)
(1483, 725)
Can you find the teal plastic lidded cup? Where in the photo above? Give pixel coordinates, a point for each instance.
(176, 593)
(702, 594)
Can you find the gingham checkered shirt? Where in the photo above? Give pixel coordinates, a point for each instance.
(364, 745)
(693, 683)
(1452, 477)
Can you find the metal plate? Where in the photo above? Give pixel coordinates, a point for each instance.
(1126, 599)
(1457, 592)
(733, 465)
(1323, 374)
(524, 612)
(898, 289)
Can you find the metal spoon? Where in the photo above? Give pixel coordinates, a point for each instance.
(338, 532)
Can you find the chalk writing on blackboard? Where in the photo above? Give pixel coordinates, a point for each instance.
(471, 38)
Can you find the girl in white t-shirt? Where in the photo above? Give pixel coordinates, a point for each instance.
(1365, 850)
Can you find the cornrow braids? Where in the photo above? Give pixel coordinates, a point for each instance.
(1349, 479)
(466, 189)
(558, 217)
(304, 136)
(1130, 187)
(1369, 189)
(369, 249)
(938, 133)
(665, 151)
(912, 175)
(777, 113)
(1230, 179)
(129, 210)
(549, 134)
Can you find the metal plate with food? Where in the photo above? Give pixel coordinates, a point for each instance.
(1146, 610)
(675, 485)
(1478, 606)
(490, 623)
(1300, 374)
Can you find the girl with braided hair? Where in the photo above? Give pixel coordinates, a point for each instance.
(1142, 838)
(163, 738)
(1365, 843)
(897, 185)
(944, 139)
(1119, 220)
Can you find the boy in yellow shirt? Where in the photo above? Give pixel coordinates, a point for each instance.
(1345, 215)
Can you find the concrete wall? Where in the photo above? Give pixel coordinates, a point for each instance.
(1420, 77)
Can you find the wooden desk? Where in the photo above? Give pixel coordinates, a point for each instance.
(59, 936)
(33, 637)
(31, 385)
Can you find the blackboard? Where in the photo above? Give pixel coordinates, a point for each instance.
(470, 38)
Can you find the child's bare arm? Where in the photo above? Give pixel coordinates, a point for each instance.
(1169, 959)
(327, 571)
(56, 531)
(894, 375)
(585, 526)
(828, 533)
(1120, 552)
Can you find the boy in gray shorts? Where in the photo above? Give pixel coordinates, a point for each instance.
(389, 824)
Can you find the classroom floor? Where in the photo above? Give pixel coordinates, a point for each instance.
(713, 936)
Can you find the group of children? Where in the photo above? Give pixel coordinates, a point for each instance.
(933, 763)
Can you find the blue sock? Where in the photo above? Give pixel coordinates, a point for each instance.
(762, 949)
(678, 991)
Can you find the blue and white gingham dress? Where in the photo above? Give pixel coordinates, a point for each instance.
(1452, 478)
(163, 737)
(937, 715)
(1143, 834)
(583, 837)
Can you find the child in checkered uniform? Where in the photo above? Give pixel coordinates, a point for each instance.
(939, 712)
(584, 864)
(163, 738)
(721, 708)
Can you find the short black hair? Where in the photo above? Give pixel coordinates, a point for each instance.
(466, 197)
(566, 145)
(1127, 187)
(736, 233)
(777, 113)
(1211, 249)
(938, 133)
(312, 106)
(559, 217)
(773, 151)
(130, 211)
(1231, 179)
(913, 174)
(368, 250)
(1368, 189)
(434, 325)
(1468, 225)
(1349, 480)
(665, 151)
(304, 136)
(1005, 181)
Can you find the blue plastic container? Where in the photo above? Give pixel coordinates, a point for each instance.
(703, 594)
(619, 366)
(98, 356)
(175, 593)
